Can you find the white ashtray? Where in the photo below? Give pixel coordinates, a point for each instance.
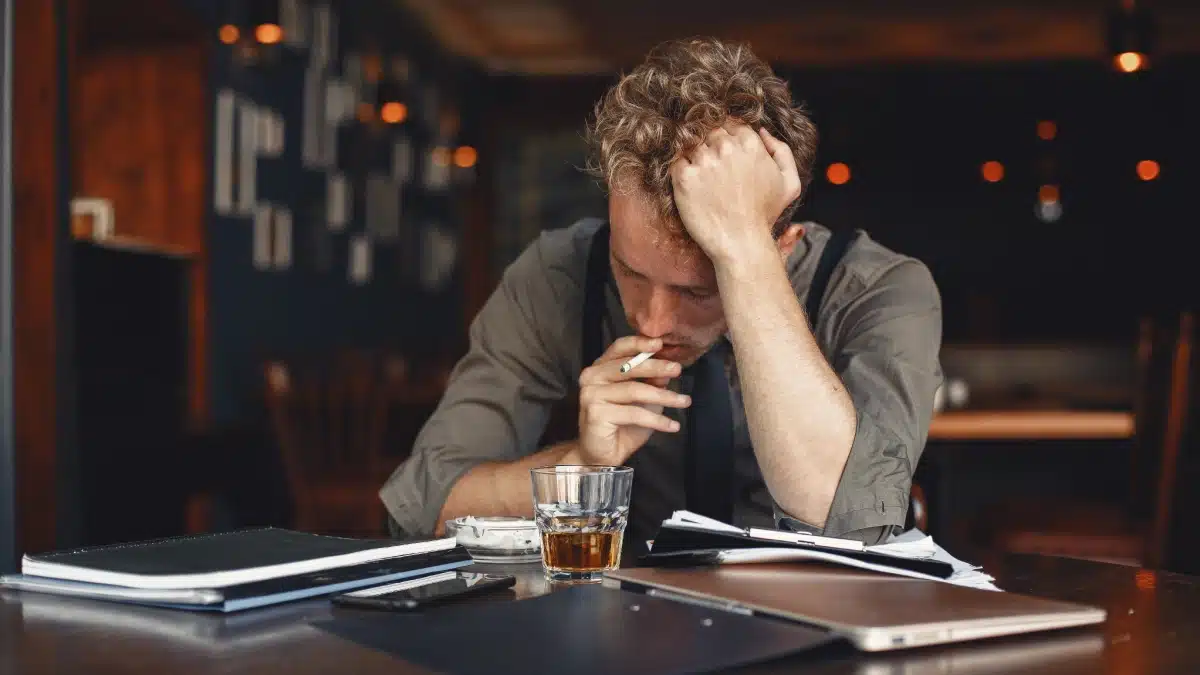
(499, 539)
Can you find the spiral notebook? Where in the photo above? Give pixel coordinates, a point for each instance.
(253, 594)
(220, 559)
(231, 571)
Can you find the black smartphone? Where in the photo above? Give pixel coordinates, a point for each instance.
(419, 593)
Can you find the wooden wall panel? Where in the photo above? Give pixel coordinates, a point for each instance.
(36, 217)
(138, 126)
(139, 122)
(138, 137)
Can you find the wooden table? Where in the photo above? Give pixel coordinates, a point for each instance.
(1153, 627)
(1000, 425)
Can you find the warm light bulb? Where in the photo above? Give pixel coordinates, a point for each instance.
(393, 112)
(1047, 130)
(1129, 62)
(838, 173)
(993, 171)
(1147, 169)
(1048, 209)
(268, 33)
(465, 157)
(228, 34)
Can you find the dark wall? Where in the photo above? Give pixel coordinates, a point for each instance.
(130, 375)
(309, 305)
(915, 138)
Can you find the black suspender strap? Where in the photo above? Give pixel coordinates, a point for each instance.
(835, 248)
(598, 269)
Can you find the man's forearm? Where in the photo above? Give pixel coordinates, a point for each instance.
(801, 418)
(502, 488)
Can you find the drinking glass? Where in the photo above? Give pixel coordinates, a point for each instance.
(581, 513)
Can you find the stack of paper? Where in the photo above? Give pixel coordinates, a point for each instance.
(689, 519)
(911, 545)
(916, 544)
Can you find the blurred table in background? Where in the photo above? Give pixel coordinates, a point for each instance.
(961, 440)
(1031, 425)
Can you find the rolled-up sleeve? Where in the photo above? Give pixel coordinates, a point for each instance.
(887, 340)
(499, 396)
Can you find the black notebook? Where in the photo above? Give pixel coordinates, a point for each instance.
(255, 593)
(218, 560)
(683, 545)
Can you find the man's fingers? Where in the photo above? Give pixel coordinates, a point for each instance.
(650, 368)
(631, 416)
(780, 152)
(630, 345)
(607, 368)
(785, 160)
(633, 392)
(740, 131)
(721, 133)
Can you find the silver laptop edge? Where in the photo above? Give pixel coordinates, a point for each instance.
(882, 638)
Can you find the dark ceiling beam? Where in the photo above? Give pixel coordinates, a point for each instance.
(615, 34)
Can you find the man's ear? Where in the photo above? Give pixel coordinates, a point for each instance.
(788, 240)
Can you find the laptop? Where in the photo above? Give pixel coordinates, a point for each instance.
(876, 612)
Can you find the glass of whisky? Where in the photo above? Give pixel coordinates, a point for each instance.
(581, 513)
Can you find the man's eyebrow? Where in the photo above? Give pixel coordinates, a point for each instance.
(692, 289)
(625, 265)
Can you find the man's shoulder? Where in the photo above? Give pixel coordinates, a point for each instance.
(559, 255)
(546, 282)
(866, 264)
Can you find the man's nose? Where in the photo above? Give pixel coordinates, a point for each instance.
(656, 318)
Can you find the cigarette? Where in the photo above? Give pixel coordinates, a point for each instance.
(635, 361)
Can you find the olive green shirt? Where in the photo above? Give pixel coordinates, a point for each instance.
(879, 326)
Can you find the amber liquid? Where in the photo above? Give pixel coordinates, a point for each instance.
(581, 551)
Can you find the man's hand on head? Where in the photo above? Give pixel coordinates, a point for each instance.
(732, 187)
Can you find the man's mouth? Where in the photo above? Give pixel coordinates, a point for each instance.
(673, 349)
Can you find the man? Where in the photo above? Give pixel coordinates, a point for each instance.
(749, 410)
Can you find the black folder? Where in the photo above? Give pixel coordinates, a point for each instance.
(581, 630)
(680, 545)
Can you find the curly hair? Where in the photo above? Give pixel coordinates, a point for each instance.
(668, 105)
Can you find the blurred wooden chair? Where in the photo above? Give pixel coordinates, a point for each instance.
(918, 510)
(330, 422)
(1132, 531)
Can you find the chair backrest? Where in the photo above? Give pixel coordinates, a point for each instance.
(330, 418)
(1158, 343)
(1179, 437)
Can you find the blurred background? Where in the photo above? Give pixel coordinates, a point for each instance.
(249, 237)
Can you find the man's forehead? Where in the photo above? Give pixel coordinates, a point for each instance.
(642, 241)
